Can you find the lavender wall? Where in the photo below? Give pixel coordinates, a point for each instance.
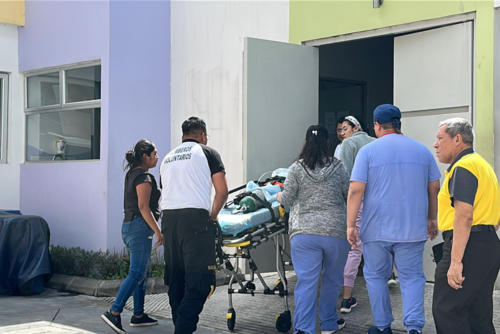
(63, 32)
(139, 91)
(83, 201)
(71, 196)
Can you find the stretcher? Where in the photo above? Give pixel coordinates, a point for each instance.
(240, 233)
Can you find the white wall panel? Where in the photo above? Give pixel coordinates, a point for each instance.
(433, 82)
(433, 69)
(207, 67)
(10, 172)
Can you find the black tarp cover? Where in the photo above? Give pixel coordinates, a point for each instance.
(24, 254)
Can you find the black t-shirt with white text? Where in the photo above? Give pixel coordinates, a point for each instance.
(131, 201)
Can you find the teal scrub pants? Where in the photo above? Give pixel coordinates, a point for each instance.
(312, 256)
(408, 259)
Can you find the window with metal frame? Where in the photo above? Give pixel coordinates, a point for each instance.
(4, 97)
(63, 113)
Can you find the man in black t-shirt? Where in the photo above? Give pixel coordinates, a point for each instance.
(187, 175)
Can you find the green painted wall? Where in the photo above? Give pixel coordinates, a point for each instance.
(319, 19)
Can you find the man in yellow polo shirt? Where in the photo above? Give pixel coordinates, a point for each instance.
(468, 215)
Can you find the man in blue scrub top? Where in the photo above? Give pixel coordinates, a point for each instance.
(399, 180)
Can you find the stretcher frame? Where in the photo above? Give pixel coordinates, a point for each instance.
(274, 230)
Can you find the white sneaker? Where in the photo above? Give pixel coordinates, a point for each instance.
(392, 281)
(340, 323)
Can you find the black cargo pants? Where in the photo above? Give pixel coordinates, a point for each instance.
(189, 250)
(470, 309)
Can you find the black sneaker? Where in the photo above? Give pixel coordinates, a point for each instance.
(375, 330)
(340, 323)
(143, 321)
(347, 305)
(113, 321)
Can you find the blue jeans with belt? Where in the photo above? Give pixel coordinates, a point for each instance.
(138, 237)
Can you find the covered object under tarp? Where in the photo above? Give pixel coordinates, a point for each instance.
(24, 254)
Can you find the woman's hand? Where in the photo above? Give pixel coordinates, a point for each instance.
(278, 196)
(159, 238)
(353, 236)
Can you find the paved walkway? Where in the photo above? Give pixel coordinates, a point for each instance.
(257, 314)
(53, 312)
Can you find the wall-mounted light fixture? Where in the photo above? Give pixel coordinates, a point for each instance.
(377, 3)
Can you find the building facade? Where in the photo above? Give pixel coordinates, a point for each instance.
(11, 105)
(91, 84)
(434, 59)
(86, 80)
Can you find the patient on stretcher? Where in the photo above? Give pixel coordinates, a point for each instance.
(249, 212)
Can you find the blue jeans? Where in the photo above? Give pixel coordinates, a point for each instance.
(313, 255)
(408, 259)
(138, 237)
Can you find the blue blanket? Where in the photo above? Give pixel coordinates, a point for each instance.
(235, 224)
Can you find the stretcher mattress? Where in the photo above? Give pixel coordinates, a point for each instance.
(235, 224)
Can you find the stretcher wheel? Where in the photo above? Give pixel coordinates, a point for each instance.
(231, 319)
(250, 286)
(284, 322)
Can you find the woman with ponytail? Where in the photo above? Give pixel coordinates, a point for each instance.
(316, 190)
(140, 223)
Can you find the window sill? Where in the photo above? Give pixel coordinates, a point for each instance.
(61, 162)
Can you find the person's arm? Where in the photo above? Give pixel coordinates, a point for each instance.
(345, 182)
(359, 179)
(290, 189)
(220, 184)
(462, 186)
(143, 196)
(461, 233)
(347, 155)
(498, 224)
(354, 199)
(432, 193)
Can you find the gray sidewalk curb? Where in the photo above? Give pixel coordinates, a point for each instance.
(109, 288)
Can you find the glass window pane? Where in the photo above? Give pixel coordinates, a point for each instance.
(64, 135)
(83, 84)
(43, 90)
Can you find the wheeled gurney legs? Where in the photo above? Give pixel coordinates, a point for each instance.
(283, 320)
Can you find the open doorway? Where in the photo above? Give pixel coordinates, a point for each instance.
(427, 71)
(355, 77)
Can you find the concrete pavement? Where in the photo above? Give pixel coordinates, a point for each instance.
(68, 313)
(253, 314)
(257, 314)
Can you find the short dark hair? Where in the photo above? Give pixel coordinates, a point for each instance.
(341, 120)
(387, 126)
(193, 126)
(390, 126)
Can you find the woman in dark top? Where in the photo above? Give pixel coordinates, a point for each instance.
(140, 223)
